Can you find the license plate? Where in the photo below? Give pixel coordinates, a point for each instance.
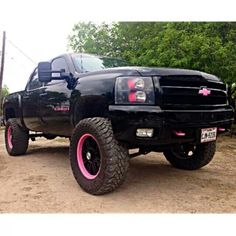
(208, 135)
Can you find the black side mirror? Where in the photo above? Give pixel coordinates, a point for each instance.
(46, 74)
(45, 71)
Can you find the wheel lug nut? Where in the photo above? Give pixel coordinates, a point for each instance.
(88, 155)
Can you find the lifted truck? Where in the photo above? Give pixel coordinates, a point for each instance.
(106, 107)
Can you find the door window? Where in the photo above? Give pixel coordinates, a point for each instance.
(34, 81)
(60, 64)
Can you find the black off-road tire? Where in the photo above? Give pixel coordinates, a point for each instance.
(114, 157)
(19, 140)
(201, 156)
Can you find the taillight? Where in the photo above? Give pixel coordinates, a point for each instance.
(135, 90)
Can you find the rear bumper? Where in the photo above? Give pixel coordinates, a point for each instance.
(126, 120)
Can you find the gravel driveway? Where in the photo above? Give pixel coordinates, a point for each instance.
(42, 181)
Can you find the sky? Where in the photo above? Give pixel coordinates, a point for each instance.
(40, 28)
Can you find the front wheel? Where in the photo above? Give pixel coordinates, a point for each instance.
(99, 162)
(190, 157)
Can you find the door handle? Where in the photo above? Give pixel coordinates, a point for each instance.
(26, 97)
(43, 94)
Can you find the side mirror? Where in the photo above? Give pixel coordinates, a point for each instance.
(45, 71)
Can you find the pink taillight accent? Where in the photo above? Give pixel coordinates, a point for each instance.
(204, 92)
(132, 97)
(179, 133)
(80, 158)
(221, 129)
(9, 137)
(131, 84)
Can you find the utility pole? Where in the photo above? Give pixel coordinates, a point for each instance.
(2, 61)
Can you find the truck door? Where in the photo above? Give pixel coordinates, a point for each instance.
(30, 103)
(54, 103)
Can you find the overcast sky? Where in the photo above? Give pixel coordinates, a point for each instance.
(40, 28)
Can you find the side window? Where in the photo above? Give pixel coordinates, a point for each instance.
(34, 81)
(59, 64)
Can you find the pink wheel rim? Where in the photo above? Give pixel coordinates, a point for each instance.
(9, 137)
(83, 151)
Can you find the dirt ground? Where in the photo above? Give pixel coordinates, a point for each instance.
(42, 182)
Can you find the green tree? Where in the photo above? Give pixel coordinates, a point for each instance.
(91, 38)
(210, 46)
(5, 92)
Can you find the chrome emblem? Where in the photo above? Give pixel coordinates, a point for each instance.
(204, 92)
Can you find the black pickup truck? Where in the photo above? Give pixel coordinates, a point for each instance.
(106, 107)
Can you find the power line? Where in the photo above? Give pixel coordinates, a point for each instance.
(21, 51)
(16, 61)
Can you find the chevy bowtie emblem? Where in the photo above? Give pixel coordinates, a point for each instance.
(204, 91)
